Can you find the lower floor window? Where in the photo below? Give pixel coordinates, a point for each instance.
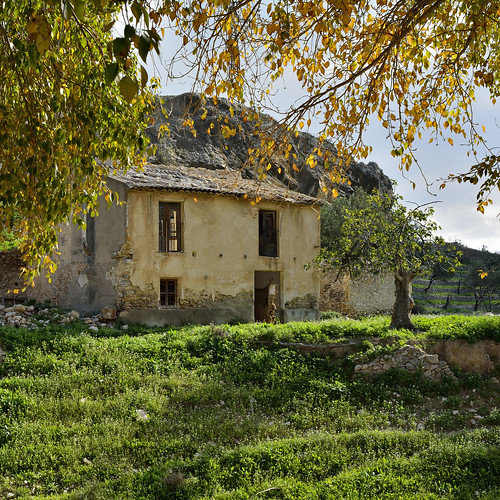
(168, 293)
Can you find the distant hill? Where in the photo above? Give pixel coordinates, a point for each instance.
(464, 291)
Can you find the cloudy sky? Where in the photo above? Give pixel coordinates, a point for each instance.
(455, 206)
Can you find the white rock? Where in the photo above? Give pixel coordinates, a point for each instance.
(93, 328)
(432, 359)
(141, 415)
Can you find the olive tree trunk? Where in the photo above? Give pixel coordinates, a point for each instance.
(401, 312)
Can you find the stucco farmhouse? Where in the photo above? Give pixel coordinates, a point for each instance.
(192, 245)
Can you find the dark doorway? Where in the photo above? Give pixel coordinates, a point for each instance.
(267, 296)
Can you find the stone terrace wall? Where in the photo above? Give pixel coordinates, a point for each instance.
(371, 294)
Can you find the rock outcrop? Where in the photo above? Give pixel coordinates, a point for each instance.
(195, 147)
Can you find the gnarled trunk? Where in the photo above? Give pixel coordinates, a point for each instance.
(403, 304)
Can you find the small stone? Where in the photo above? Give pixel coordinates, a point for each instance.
(107, 314)
(93, 328)
(142, 415)
(432, 359)
(124, 327)
(74, 314)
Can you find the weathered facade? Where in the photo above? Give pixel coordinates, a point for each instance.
(192, 245)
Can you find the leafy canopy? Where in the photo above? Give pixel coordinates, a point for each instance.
(415, 65)
(377, 233)
(72, 80)
(70, 101)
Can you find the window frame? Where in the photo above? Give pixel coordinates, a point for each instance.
(166, 294)
(170, 230)
(268, 245)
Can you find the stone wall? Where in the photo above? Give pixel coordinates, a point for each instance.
(479, 357)
(10, 279)
(371, 294)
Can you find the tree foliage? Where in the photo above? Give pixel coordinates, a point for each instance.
(71, 80)
(70, 101)
(378, 234)
(415, 65)
(483, 277)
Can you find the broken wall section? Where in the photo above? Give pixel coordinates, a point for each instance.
(364, 296)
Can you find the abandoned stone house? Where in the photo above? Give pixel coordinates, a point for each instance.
(192, 245)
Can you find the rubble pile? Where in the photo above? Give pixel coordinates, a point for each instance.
(410, 358)
(30, 316)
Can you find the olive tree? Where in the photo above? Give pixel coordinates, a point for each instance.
(378, 234)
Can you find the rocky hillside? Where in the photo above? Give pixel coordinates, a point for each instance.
(197, 148)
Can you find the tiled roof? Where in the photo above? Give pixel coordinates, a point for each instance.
(201, 180)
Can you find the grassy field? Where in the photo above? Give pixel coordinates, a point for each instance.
(226, 413)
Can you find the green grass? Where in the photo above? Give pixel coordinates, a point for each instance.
(227, 413)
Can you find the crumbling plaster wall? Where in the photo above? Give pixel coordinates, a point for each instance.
(215, 270)
(86, 257)
(369, 294)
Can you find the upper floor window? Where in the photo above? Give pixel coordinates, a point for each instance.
(268, 233)
(170, 234)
